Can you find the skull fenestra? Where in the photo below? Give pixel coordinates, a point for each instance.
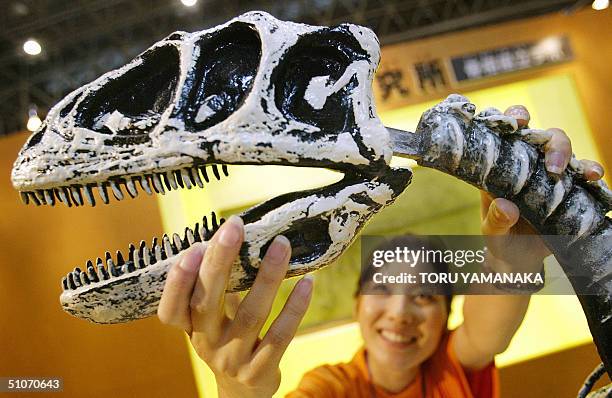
(254, 90)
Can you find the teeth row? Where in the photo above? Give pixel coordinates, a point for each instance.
(397, 338)
(158, 182)
(141, 256)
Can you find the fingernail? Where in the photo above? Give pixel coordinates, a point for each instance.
(599, 171)
(278, 250)
(499, 213)
(554, 162)
(305, 286)
(191, 260)
(230, 231)
(518, 112)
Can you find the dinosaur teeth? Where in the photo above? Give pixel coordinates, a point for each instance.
(41, 196)
(170, 178)
(89, 195)
(103, 192)
(91, 272)
(71, 283)
(157, 184)
(110, 264)
(141, 256)
(178, 245)
(144, 254)
(167, 247)
(64, 193)
(215, 224)
(185, 177)
(204, 173)
(145, 185)
(137, 259)
(179, 178)
(128, 267)
(120, 260)
(196, 177)
(33, 198)
(76, 276)
(77, 198)
(49, 197)
(131, 187)
(196, 233)
(158, 251)
(131, 251)
(189, 236)
(116, 190)
(24, 197)
(216, 172)
(102, 272)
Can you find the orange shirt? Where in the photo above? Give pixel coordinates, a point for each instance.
(443, 374)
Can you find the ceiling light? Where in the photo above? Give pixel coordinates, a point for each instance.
(34, 121)
(600, 4)
(189, 3)
(32, 47)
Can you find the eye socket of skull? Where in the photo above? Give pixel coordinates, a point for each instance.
(222, 76)
(140, 94)
(323, 53)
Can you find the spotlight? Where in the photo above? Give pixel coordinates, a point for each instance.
(32, 47)
(189, 3)
(600, 4)
(34, 121)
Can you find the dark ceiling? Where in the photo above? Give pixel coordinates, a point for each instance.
(85, 38)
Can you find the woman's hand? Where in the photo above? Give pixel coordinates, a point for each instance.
(225, 332)
(502, 217)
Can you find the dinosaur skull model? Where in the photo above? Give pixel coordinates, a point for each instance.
(255, 90)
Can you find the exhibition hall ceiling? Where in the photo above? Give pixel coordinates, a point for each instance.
(80, 40)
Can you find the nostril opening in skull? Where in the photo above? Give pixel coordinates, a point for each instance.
(321, 58)
(222, 77)
(131, 103)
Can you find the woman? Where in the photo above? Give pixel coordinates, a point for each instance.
(407, 349)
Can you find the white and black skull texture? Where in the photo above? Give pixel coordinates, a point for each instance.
(254, 90)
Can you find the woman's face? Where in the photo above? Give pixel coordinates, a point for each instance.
(400, 330)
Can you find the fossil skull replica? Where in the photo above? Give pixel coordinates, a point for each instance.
(254, 90)
(258, 91)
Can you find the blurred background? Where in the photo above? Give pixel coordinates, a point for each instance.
(552, 56)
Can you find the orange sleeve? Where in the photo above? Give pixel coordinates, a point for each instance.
(483, 383)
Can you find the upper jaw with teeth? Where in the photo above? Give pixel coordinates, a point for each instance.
(398, 337)
(246, 92)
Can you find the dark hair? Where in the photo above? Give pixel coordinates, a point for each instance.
(411, 242)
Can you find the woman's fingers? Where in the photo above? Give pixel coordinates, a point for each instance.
(558, 151)
(174, 304)
(231, 303)
(593, 171)
(284, 327)
(207, 310)
(501, 216)
(520, 113)
(485, 203)
(255, 307)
